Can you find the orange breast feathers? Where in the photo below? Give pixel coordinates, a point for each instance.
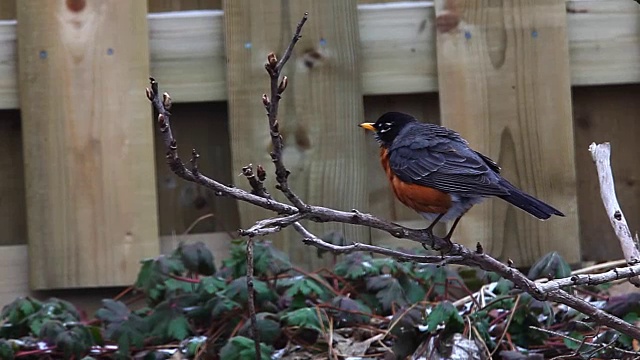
(420, 198)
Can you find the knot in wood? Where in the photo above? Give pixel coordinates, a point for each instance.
(617, 215)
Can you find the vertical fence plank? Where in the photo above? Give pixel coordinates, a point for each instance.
(503, 70)
(324, 148)
(88, 145)
(606, 113)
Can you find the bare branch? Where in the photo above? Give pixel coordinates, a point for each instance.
(310, 239)
(273, 67)
(591, 279)
(601, 154)
(292, 44)
(256, 183)
(255, 335)
(456, 253)
(465, 255)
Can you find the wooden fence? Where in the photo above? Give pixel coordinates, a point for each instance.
(530, 83)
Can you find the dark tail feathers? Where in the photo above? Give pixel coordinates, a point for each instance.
(527, 202)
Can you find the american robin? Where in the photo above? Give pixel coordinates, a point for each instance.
(433, 171)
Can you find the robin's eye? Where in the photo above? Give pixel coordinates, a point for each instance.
(385, 127)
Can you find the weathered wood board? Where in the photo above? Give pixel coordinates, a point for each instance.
(504, 81)
(88, 142)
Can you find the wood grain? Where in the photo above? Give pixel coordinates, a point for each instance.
(182, 5)
(324, 148)
(398, 51)
(605, 41)
(8, 65)
(398, 45)
(88, 145)
(504, 85)
(202, 126)
(192, 68)
(606, 113)
(12, 199)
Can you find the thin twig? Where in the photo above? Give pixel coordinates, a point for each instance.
(274, 67)
(506, 327)
(251, 298)
(592, 279)
(596, 346)
(256, 182)
(596, 267)
(197, 221)
(601, 154)
(322, 214)
(456, 253)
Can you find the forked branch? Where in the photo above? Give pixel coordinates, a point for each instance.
(290, 215)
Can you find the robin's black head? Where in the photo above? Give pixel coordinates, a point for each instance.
(389, 126)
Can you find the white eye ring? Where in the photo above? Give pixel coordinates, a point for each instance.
(385, 127)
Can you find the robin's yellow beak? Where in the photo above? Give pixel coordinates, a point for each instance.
(368, 126)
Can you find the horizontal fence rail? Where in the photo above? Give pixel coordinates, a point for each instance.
(397, 42)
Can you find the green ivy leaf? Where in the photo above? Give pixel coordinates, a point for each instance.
(221, 305)
(269, 261)
(178, 328)
(153, 274)
(305, 318)
(503, 286)
(53, 309)
(571, 344)
(50, 330)
(268, 328)
(445, 313)
(196, 258)
(413, 290)
(211, 285)
(237, 291)
(350, 312)
(6, 350)
(388, 291)
(76, 341)
(122, 326)
(390, 265)
(307, 288)
(551, 265)
(480, 320)
(240, 348)
(179, 287)
(168, 320)
(194, 345)
(355, 266)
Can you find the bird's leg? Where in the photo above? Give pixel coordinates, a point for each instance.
(453, 227)
(429, 230)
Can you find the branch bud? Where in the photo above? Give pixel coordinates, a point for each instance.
(149, 94)
(265, 100)
(166, 101)
(262, 174)
(283, 85)
(272, 60)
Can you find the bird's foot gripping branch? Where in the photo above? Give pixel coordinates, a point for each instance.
(291, 214)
